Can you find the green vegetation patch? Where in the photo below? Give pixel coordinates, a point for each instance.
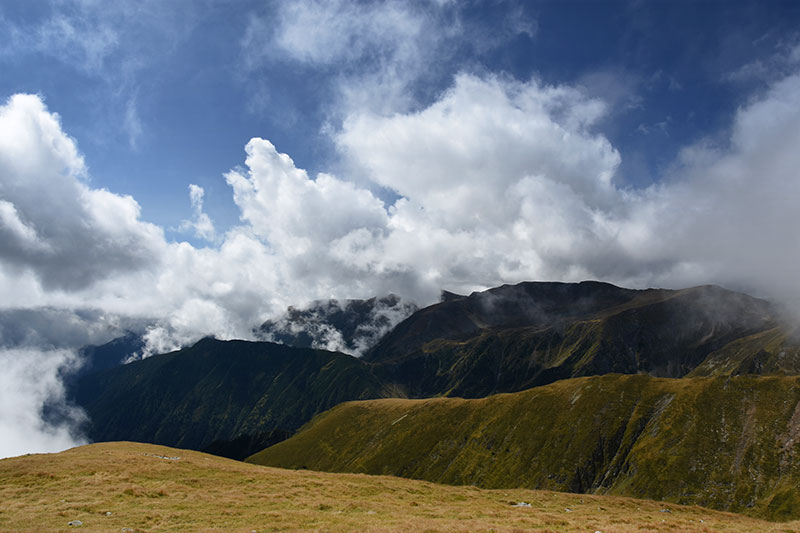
(730, 443)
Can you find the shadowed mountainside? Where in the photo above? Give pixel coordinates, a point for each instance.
(516, 337)
(725, 443)
(218, 391)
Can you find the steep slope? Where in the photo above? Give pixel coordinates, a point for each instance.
(220, 391)
(541, 333)
(125, 486)
(725, 443)
(775, 351)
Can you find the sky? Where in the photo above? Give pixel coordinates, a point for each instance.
(194, 167)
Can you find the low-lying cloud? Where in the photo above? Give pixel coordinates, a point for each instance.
(30, 383)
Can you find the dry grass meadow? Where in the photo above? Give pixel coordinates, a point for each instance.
(126, 487)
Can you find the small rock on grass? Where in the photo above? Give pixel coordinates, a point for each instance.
(75, 523)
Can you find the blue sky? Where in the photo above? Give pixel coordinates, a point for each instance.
(192, 168)
(168, 94)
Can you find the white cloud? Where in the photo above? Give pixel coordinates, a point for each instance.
(31, 382)
(498, 181)
(53, 224)
(502, 181)
(99, 37)
(295, 214)
(373, 50)
(117, 47)
(201, 223)
(730, 210)
(375, 55)
(332, 32)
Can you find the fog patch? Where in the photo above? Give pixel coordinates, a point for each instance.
(30, 383)
(347, 326)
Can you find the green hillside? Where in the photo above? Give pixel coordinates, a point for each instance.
(131, 487)
(730, 443)
(220, 391)
(774, 351)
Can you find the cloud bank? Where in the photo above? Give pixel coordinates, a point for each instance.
(30, 381)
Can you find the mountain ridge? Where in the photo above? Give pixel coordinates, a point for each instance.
(219, 391)
(729, 443)
(234, 398)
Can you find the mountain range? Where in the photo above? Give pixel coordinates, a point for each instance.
(644, 377)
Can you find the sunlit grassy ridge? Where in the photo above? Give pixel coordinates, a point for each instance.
(730, 443)
(774, 351)
(154, 488)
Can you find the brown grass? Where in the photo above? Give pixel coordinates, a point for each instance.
(145, 490)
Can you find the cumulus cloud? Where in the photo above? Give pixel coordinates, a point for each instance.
(201, 223)
(295, 214)
(501, 181)
(523, 186)
(496, 181)
(53, 224)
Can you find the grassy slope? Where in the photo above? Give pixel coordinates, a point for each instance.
(144, 490)
(219, 390)
(774, 351)
(726, 443)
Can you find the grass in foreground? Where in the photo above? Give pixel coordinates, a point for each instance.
(141, 487)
